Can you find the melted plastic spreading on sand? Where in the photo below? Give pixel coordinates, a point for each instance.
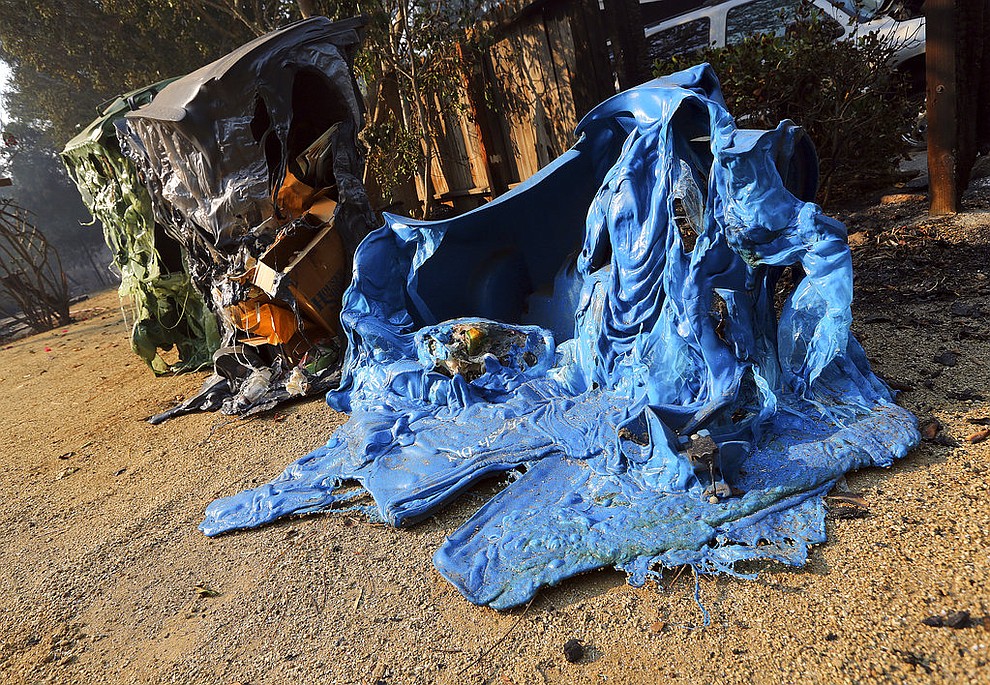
(621, 345)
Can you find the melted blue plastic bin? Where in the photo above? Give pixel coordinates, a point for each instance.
(582, 332)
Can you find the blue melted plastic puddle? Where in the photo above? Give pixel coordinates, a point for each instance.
(619, 346)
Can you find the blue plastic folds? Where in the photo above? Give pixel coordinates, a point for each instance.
(568, 333)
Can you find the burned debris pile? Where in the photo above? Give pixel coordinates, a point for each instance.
(232, 198)
(610, 333)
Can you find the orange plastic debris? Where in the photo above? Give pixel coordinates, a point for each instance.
(268, 323)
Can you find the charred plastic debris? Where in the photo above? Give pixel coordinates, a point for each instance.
(247, 174)
(165, 308)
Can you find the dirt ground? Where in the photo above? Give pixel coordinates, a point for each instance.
(107, 579)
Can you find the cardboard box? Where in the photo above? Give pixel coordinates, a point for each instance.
(311, 259)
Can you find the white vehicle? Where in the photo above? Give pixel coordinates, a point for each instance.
(675, 27)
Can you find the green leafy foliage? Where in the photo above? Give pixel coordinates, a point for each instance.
(69, 56)
(852, 104)
(394, 154)
(416, 54)
(156, 293)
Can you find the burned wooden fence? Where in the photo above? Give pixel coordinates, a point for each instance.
(520, 104)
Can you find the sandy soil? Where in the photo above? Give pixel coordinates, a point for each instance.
(102, 560)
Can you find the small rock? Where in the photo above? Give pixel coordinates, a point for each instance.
(966, 309)
(978, 436)
(964, 396)
(203, 590)
(947, 358)
(945, 441)
(958, 619)
(857, 239)
(848, 513)
(930, 427)
(915, 659)
(953, 619)
(899, 386)
(573, 651)
(65, 473)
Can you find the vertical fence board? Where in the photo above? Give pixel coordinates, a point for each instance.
(560, 41)
(521, 89)
(549, 66)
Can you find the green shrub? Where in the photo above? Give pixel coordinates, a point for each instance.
(844, 93)
(394, 155)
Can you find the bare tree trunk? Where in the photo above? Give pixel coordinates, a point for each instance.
(424, 125)
(943, 125)
(307, 8)
(97, 269)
